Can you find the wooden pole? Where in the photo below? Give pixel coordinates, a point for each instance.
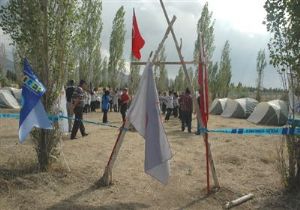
(106, 178)
(238, 201)
(193, 92)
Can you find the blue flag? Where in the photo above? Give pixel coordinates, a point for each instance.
(32, 113)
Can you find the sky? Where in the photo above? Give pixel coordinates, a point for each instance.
(239, 21)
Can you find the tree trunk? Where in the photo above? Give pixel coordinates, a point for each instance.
(43, 154)
(293, 145)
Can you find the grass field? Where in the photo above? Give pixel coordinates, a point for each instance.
(244, 164)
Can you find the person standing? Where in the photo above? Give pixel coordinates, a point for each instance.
(115, 100)
(78, 104)
(93, 100)
(176, 104)
(105, 105)
(124, 103)
(69, 92)
(169, 105)
(186, 111)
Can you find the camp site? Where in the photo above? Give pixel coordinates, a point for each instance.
(149, 104)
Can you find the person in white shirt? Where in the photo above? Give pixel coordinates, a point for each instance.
(169, 105)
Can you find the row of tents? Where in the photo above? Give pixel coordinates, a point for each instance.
(273, 112)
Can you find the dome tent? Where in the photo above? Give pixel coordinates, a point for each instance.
(17, 93)
(239, 108)
(7, 100)
(217, 106)
(273, 112)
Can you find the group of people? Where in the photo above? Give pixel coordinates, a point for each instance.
(77, 104)
(180, 105)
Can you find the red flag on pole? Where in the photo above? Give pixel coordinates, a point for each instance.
(137, 39)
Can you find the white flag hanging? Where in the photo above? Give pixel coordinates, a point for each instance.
(144, 115)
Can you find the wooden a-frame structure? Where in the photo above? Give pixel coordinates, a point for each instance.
(106, 179)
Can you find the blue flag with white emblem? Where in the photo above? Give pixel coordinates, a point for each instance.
(32, 113)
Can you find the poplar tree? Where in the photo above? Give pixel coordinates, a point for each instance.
(224, 75)
(134, 77)
(116, 47)
(163, 80)
(205, 26)
(89, 34)
(283, 21)
(261, 63)
(179, 80)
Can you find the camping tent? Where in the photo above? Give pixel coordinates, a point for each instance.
(7, 100)
(239, 108)
(217, 106)
(270, 113)
(17, 93)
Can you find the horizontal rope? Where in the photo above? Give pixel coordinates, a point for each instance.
(55, 118)
(256, 131)
(241, 131)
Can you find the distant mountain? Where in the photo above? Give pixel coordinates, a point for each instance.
(9, 65)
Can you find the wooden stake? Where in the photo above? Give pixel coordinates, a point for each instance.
(238, 201)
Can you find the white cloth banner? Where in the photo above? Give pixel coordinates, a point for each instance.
(143, 114)
(63, 123)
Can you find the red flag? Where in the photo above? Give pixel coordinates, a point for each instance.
(203, 86)
(137, 39)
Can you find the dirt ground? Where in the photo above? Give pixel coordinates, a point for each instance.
(244, 164)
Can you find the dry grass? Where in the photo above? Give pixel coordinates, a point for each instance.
(244, 164)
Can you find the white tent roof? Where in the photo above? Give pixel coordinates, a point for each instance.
(7, 100)
(217, 106)
(239, 108)
(273, 112)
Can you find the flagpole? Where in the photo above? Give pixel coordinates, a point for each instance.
(106, 178)
(192, 89)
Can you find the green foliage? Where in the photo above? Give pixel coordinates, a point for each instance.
(161, 72)
(134, 77)
(191, 76)
(213, 80)
(205, 26)
(116, 47)
(283, 22)
(224, 75)
(88, 39)
(261, 63)
(104, 72)
(179, 80)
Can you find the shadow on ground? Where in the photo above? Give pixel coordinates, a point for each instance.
(70, 203)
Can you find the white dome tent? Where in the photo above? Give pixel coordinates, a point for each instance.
(239, 108)
(273, 112)
(217, 106)
(7, 100)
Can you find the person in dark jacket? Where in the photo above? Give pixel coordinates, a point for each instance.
(78, 104)
(105, 105)
(69, 92)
